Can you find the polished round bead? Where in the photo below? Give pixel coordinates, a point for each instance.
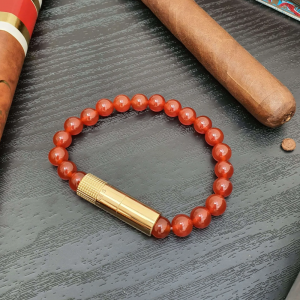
(187, 116)
(224, 169)
(139, 102)
(214, 136)
(66, 169)
(121, 103)
(89, 116)
(57, 155)
(201, 217)
(182, 225)
(157, 103)
(73, 125)
(216, 205)
(104, 107)
(222, 186)
(75, 180)
(172, 108)
(221, 152)
(62, 139)
(161, 228)
(202, 124)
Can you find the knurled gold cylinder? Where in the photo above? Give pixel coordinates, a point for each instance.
(122, 206)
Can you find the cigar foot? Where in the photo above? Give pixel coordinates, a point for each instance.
(282, 115)
(288, 117)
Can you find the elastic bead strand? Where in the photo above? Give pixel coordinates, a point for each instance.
(181, 225)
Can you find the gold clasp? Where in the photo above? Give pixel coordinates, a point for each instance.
(122, 206)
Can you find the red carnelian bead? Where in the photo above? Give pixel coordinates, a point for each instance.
(73, 125)
(172, 108)
(224, 169)
(104, 107)
(187, 116)
(139, 102)
(57, 155)
(221, 152)
(222, 186)
(66, 169)
(62, 139)
(161, 228)
(201, 217)
(121, 103)
(75, 180)
(89, 116)
(157, 103)
(216, 205)
(182, 225)
(202, 124)
(214, 136)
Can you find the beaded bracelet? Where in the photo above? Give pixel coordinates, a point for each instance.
(125, 207)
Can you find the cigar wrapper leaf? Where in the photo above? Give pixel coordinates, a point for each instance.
(17, 20)
(263, 95)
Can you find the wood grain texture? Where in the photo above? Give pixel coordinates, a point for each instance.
(56, 246)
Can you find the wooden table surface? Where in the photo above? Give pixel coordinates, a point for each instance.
(56, 246)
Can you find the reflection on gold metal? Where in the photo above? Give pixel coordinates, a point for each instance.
(37, 5)
(16, 22)
(122, 206)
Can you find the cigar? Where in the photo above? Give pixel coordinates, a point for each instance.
(264, 96)
(17, 20)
